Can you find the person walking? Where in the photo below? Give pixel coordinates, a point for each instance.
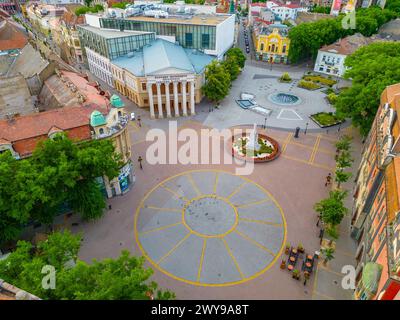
(138, 121)
(140, 162)
(328, 179)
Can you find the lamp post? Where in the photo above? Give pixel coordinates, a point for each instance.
(305, 131)
(265, 123)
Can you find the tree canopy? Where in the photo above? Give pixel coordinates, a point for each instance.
(217, 83)
(332, 209)
(238, 54)
(307, 38)
(371, 68)
(59, 172)
(124, 278)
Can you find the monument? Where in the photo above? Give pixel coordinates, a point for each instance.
(253, 144)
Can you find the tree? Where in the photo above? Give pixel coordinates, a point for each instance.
(343, 144)
(121, 278)
(341, 177)
(328, 254)
(217, 82)
(238, 54)
(344, 160)
(372, 68)
(393, 5)
(231, 66)
(58, 173)
(88, 2)
(308, 38)
(332, 209)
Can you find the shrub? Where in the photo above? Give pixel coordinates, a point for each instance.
(320, 79)
(332, 98)
(285, 77)
(309, 85)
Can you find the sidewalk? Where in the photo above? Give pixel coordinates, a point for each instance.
(327, 284)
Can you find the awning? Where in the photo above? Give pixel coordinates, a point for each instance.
(370, 277)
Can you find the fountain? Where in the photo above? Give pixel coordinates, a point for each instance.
(284, 98)
(254, 146)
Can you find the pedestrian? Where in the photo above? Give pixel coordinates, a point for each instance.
(140, 162)
(328, 179)
(138, 121)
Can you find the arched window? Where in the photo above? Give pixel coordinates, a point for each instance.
(101, 131)
(284, 49)
(262, 47)
(273, 48)
(119, 113)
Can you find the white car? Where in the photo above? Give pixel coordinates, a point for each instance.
(132, 116)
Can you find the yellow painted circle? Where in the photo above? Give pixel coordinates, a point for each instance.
(221, 235)
(196, 283)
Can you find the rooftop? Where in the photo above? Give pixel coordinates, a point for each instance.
(39, 124)
(199, 19)
(9, 292)
(15, 97)
(390, 30)
(347, 45)
(28, 63)
(11, 38)
(111, 34)
(163, 57)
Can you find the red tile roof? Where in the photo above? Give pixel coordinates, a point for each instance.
(38, 124)
(10, 37)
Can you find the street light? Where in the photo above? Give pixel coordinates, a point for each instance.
(305, 131)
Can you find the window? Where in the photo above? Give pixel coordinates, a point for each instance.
(205, 40)
(189, 39)
(284, 49)
(101, 131)
(262, 47)
(143, 86)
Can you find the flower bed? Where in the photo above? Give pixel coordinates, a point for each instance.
(309, 85)
(269, 149)
(320, 80)
(325, 119)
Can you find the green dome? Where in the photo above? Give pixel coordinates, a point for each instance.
(97, 119)
(370, 277)
(116, 101)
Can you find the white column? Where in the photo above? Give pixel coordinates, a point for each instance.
(184, 102)
(176, 101)
(150, 92)
(192, 111)
(167, 99)
(159, 101)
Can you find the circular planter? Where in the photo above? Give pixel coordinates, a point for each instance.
(275, 154)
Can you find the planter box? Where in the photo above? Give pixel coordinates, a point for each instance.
(325, 126)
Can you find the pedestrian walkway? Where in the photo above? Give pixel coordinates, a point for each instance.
(328, 279)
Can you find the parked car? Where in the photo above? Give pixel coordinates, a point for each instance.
(247, 49)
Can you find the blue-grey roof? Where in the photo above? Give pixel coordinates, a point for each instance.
(160, 55)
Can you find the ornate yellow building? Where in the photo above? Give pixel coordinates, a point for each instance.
(271, 42)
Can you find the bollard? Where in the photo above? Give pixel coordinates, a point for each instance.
(296, 133)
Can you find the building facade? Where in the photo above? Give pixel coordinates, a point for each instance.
(100, 46)
(212, 34)
(271, 42)
(162, 76)
(69, 36)
(331, 58)
(376, 208)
